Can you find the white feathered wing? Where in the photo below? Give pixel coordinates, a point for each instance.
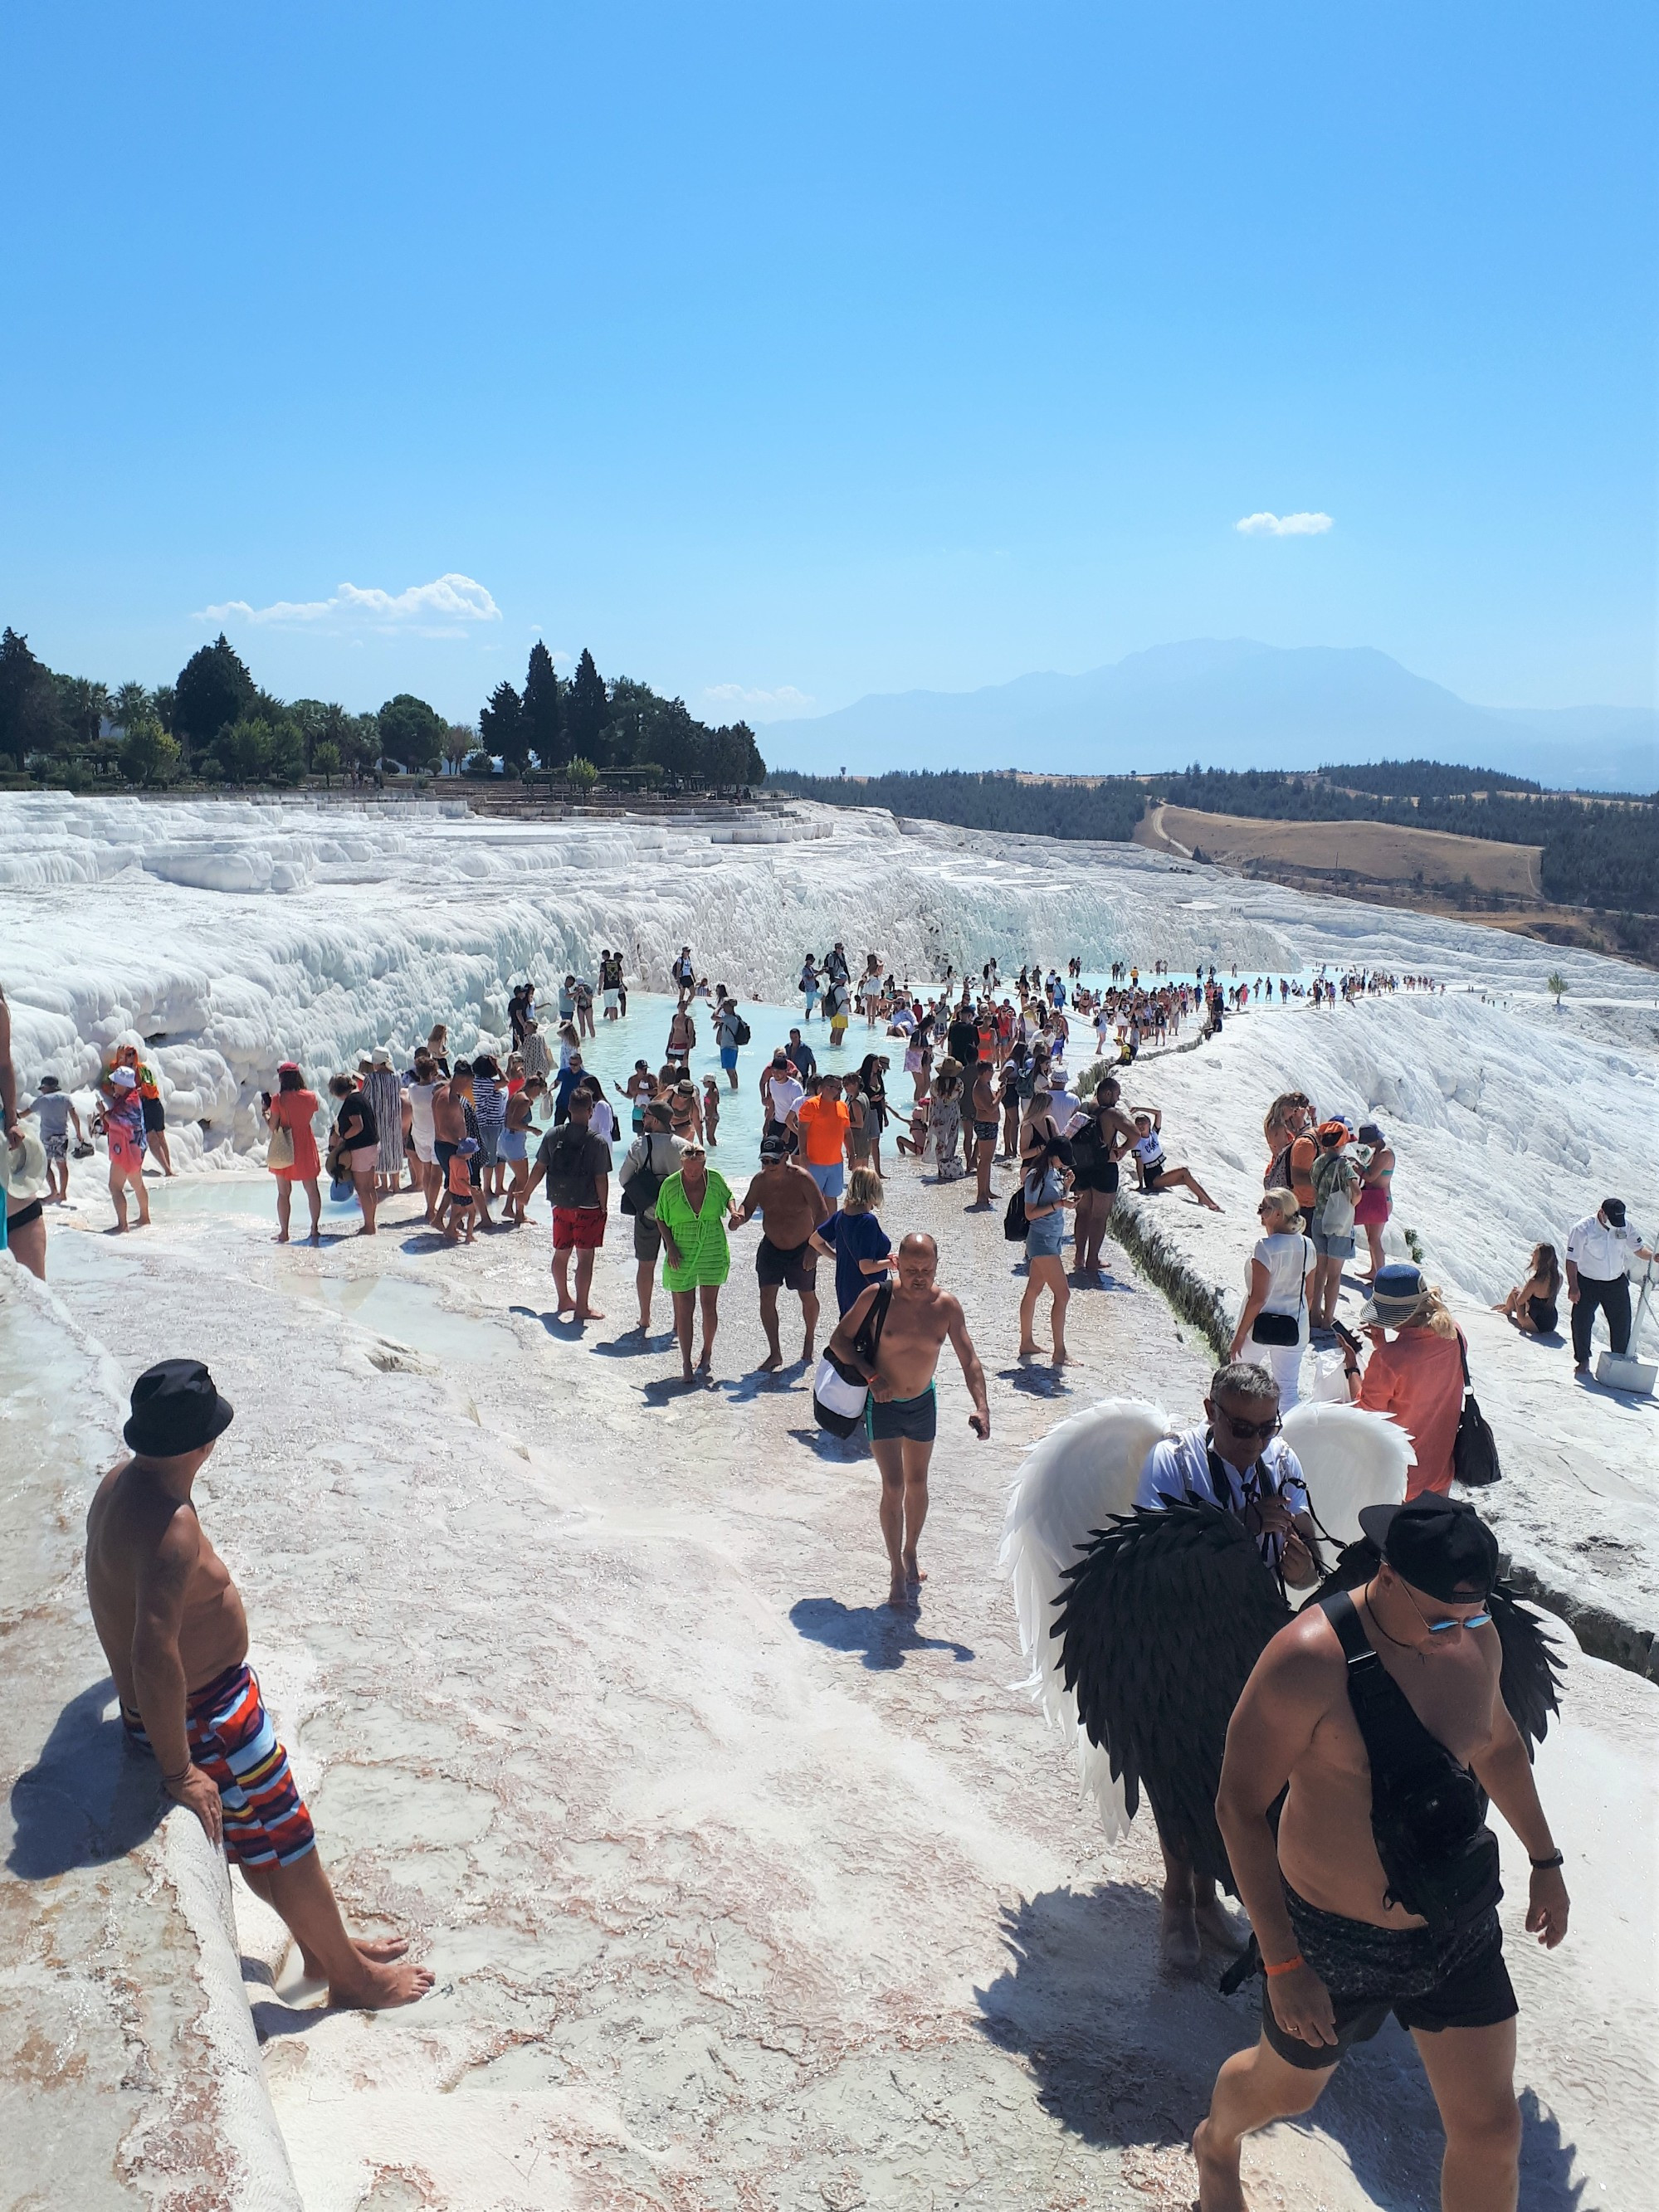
(1351, 1459)
(1081, 1473)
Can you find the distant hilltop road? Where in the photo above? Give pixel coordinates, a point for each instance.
(1230, 703)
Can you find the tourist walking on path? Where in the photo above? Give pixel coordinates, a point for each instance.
(577, 1166)
(901, 1412)
(1302, 1813)
(174, 1630)
(1532, 1306)
(1418, 1378)
(693, 1208)
(513, 1148)
(123, 1113)
(1098, 1143)
(872, 1082)
(291, 1149)
(1236, 1459)
(54, 1111)
(855, 1239)
(1273, 1326)
(1375, 1202)
(791, 1203)
(982, 1126)
(654, 1155)
(1334, 1181)
(1600, 1249)
(945, 1119)
(353, 1145)
(1046, 1200)
(730, 1028)
(386, 1102)
(824, 1119)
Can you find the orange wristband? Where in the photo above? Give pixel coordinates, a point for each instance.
(1285, 1966)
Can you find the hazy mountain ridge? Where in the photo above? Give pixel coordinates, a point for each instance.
(1230, 703)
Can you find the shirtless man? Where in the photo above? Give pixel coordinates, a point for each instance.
(448, 1127)
(902, 1414)
(1339, 1957)
(793, 1207)
(983, 1117)
(172, 1628)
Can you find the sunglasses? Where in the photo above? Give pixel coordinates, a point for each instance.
(1439, 1628)
(1264, 1429)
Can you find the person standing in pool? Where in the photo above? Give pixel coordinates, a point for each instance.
(174, 1631)
(902, 1412)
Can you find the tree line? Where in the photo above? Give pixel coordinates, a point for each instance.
(1599, 853)
(214, 724)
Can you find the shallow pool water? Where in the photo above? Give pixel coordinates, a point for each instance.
(408, 1313)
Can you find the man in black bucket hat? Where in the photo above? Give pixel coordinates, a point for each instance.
(1375, 1714)
(172, 1625)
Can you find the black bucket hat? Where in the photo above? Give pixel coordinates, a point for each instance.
(176, 1409)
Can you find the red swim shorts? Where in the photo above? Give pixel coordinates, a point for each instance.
(578, 1228)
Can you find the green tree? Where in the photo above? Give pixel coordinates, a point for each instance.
(411, 733)
(460, 738)
(358, 737)
(587, 711)
(310, 717)
(82, 705)
(132, 703)
(162, 700)
(542, 711)
(214, 689)
(326, 761)
(501, 725)
(253, 751)
(31, 722)
(150, 754)
(1556, 984)
(581, 773)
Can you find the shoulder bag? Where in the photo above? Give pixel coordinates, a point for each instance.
(1283, 1328)
(840, 1391)
(1474, 1453)
(279, 1152)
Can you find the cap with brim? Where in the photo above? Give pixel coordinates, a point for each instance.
(1396, 1292)
(175, 1409)
(1614, 1210)
(287, 1067)
(1440, 1545)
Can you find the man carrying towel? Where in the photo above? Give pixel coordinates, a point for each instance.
(172, 1628)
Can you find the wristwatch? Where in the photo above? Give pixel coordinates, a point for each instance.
(1555, 1859)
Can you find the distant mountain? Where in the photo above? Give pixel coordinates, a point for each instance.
(1230, 703)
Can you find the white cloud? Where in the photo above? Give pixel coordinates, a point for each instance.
(442, 608)
(1283, 525)
(786, 700)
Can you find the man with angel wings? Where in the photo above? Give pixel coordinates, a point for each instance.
(1149, 1574)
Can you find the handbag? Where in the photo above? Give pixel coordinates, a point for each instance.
(279, 1152)
(1474, 1453)
(1281, 1328)
(840, 1392)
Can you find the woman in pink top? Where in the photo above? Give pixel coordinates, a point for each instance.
(291, 1108)
(1418, 1378)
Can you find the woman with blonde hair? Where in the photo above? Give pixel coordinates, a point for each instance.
(1419, 1376)
(1272, 1328)
(859, 1245)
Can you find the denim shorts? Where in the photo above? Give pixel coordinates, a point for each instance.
(1331, 1248)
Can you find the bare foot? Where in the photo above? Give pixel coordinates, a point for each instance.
(1061, 1358)
(770, 1365)
(380, 1985)
(1219, 2186)
(806, 1352)
(378, 1949)
(900, 1592)
(1027, 1352)
(586, 1313)
(913, 1573)
(1213, 1207)
(686, 1375)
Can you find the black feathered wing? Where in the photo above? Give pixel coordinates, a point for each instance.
(1161, 1621)
(1531, 1679)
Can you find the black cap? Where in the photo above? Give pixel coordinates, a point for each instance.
(175, 1409)
(1614, 1210)
(1440, 1545)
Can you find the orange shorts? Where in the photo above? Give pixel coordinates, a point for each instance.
(578, 1228)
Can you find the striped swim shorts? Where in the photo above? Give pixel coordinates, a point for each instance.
(232, 1741)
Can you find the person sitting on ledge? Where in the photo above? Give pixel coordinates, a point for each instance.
(172, 1628)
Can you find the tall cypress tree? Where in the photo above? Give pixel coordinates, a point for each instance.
(501, 726)
(543, 709)
(586, 711)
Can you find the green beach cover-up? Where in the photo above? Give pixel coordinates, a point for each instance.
(705, 1255)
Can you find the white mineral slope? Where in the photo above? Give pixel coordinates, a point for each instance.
(1509, 1122)
(740, 1889)
(132, 2078)
(237, 933)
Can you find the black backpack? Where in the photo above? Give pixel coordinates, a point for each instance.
(743, 1032)
(1014, 1221)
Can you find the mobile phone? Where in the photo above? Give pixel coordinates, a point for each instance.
(1339, 1328)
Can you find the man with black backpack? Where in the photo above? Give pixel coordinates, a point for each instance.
(1376, 1718)
(654, 1156)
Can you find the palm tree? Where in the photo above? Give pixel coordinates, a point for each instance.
(1556, 983)
(131, 705)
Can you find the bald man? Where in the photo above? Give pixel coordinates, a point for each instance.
(901, 1415)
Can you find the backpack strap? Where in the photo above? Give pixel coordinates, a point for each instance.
(1339, 1609)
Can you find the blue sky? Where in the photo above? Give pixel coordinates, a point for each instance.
(782, 354)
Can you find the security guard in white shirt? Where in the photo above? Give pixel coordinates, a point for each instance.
(1600, 1249)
